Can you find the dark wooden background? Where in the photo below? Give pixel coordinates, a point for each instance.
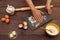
(19, 17)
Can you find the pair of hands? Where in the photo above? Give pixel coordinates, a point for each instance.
(37, 14)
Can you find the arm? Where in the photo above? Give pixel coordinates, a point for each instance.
(36, 13)
(48, 6)
(48, 2)
(31, 5)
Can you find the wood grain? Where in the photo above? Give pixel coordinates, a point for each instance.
(19, 17)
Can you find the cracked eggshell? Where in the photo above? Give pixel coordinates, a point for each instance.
(14, 33)
(11, 35)
(10, 9)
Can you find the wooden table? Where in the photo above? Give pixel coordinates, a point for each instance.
(19, 17)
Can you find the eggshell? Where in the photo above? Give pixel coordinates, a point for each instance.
(14, 33)
(11, 35)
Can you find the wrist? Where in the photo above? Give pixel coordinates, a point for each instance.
(47, 5)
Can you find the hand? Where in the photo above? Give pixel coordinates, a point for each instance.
(49, 9)
(37, 15)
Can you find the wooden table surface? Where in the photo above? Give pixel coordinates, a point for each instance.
(19, 17)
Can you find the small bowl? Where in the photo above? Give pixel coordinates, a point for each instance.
(52, 27)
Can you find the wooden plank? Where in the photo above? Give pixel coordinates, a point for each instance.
(56, 13)
(18, 18)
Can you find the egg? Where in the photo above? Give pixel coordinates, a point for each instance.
(25, 23)
(7, 21)
(20, 25)
(3, 19)
(25, 27)
(6, 16)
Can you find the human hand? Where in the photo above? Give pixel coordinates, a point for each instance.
(49, 9)
(37, 15)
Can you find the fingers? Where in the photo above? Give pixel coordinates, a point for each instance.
(38, 18)
(49, 11)
(41, 12)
